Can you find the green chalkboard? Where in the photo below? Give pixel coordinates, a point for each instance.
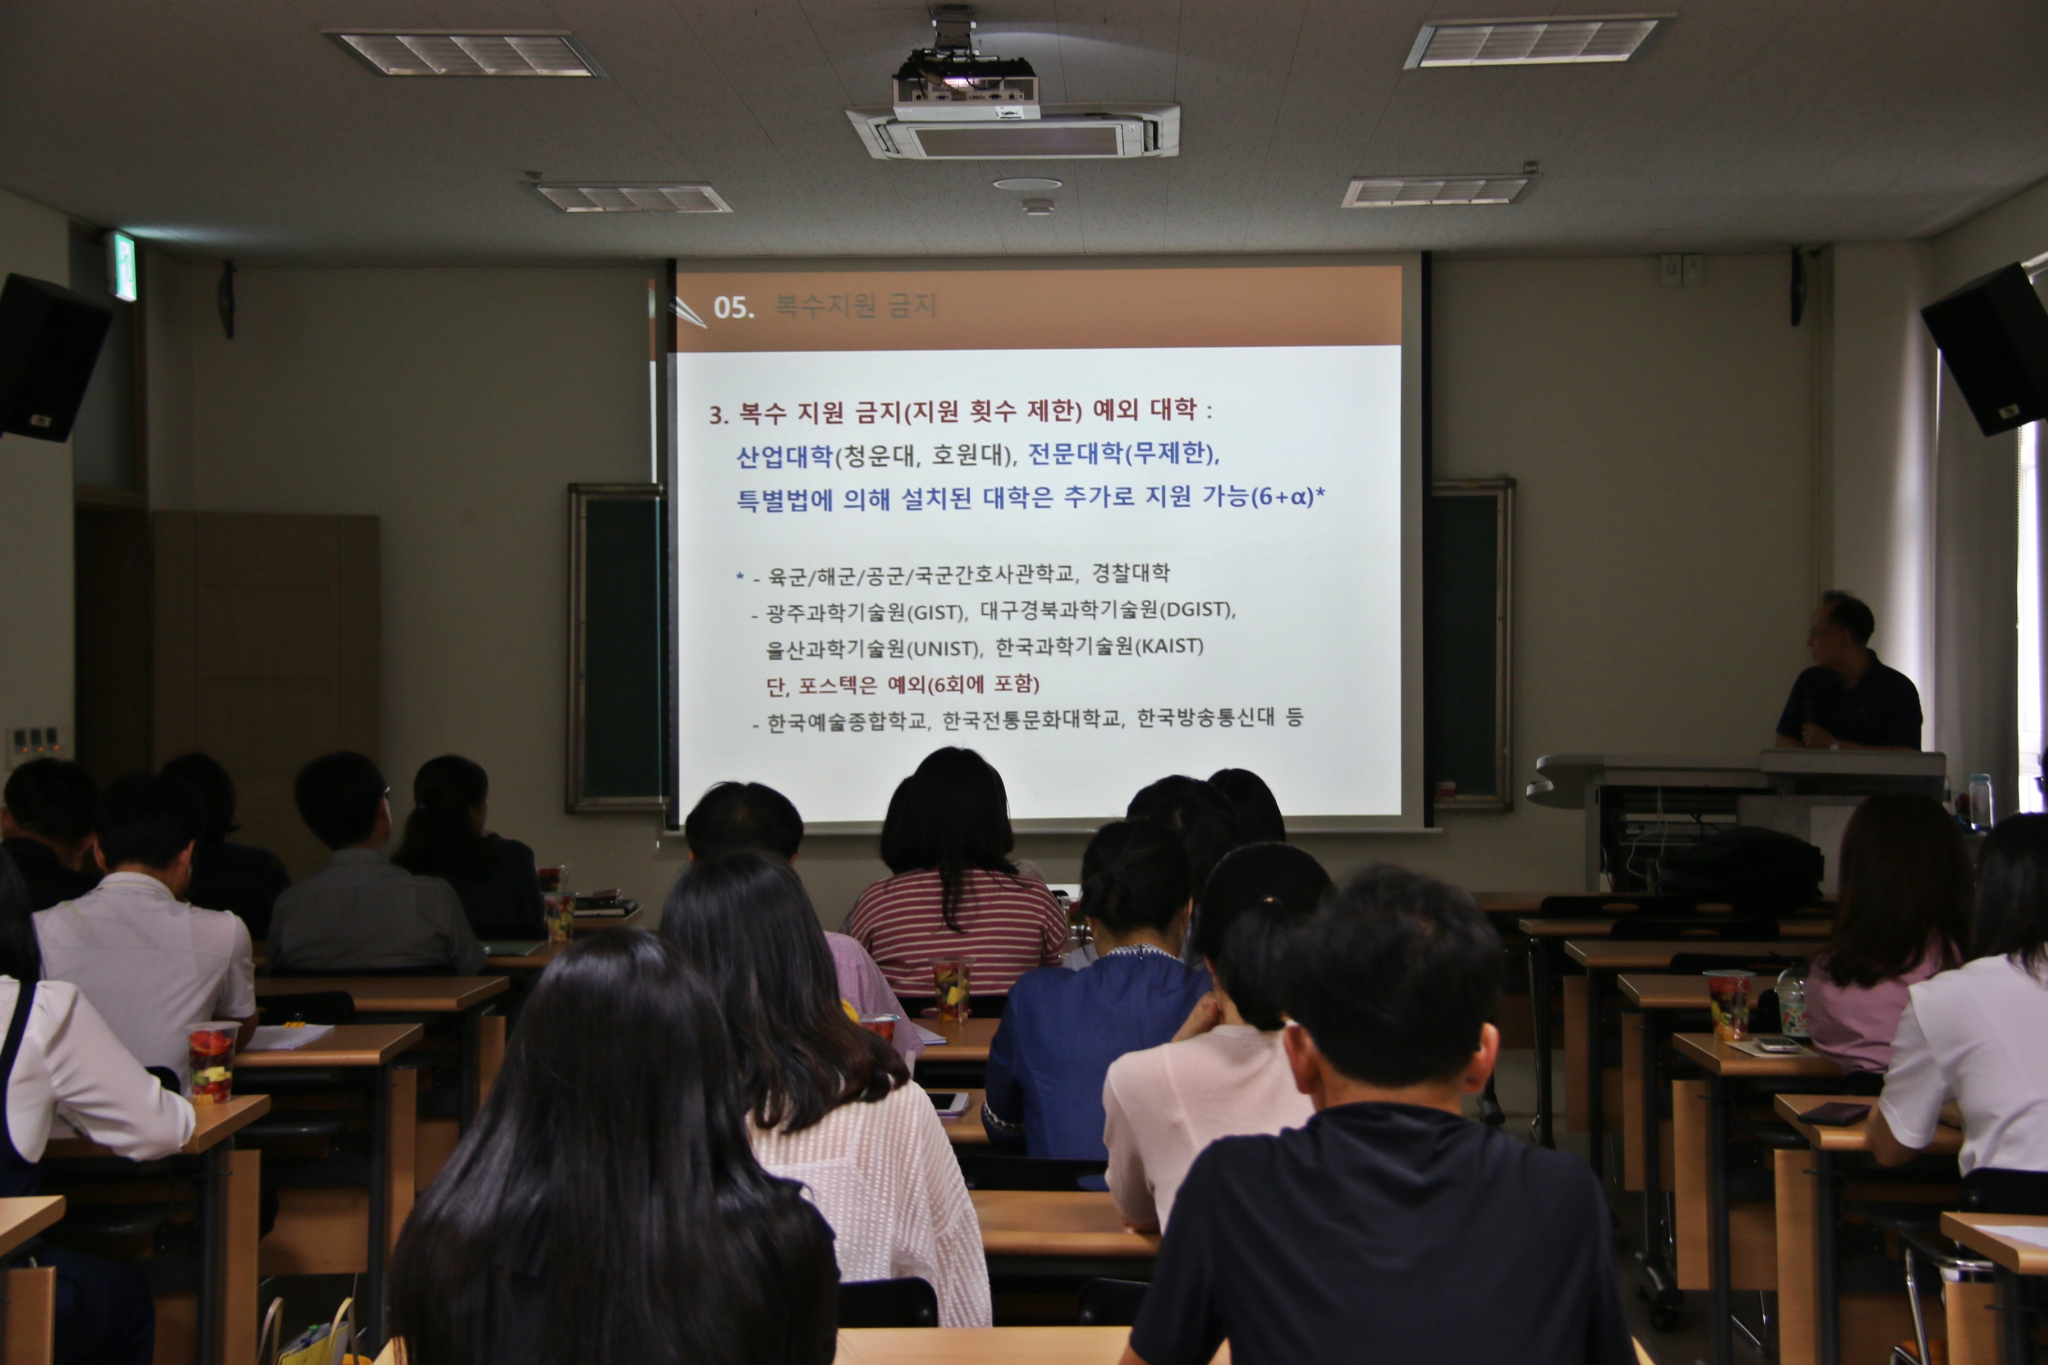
(615, 686)
(615, 692)
(1468, 576)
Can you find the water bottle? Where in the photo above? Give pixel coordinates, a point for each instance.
(1982, 812)
(1792, 1003)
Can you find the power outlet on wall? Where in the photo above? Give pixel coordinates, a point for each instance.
(26, 742)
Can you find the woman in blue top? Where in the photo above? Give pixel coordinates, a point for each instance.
(1062, 1029)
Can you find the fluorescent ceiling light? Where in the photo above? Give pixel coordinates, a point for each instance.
(645, 198)
(456, 52)
(1421, 191)
(1533, 42)
(121, 281)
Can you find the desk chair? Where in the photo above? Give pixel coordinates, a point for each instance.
(1111, 1303)
(1002, 1171)
(908, 1302)
(1988, 1189)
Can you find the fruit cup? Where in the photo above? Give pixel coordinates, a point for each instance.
(212, 1053)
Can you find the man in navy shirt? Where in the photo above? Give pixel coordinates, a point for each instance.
(1388, 1227)
(1849, 699)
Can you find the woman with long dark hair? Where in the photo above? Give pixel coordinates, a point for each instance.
(828, 1103)
(64, 1061)
(445, 837)
(1062, 1029)
(1902, 914)
(955, 892)
(1225, 1072)
(1974, 1036)
(605, 1204)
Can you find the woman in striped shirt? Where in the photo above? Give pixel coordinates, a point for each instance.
(956, 894)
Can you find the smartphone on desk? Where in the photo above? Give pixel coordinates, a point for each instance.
(1778, 1045)
(951, 1104)
(1837, 1114)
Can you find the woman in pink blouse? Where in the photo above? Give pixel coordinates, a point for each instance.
(1225, 1073)
(1903, 911)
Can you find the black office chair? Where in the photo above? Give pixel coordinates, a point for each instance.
(1111, 1303)
(1001, 1171)
(908, 1302)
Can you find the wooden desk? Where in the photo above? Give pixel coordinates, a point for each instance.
(1603, 958)
(537, 960)
(968, 1130)
(1702, 1147)
(1975, 1231)
(1811, 1323)
(986, 1346)
(2010, 1260)
(966, 1042)
(466, 996)
(1550, 946)
(21, 1219)
(1081, 1223)
(305, 1240)
(228, 1210)
(643, 918)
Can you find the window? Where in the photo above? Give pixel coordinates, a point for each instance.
(105, 441)
(2031, 721)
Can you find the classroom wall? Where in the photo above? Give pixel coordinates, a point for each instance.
(1661, 437)
(36, 661)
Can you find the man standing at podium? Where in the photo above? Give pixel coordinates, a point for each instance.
(1849, 699)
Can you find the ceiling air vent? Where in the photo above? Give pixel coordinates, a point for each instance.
(457, 52)
(645, 198)
(1060, 132)
(1423, 191)
(1533, 42)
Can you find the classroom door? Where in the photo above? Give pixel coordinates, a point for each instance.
(268, 654)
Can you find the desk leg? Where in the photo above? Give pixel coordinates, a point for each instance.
(1594, 1098)
(1658, 1282)
(1828, 1304)
(2013, 1348)
(371, 1316)
(1719, 1270)
(1541, 977)
(213, 1179)
(472, 1063)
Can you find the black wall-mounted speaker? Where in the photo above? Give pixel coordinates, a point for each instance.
(49, 341)
(1993, 332)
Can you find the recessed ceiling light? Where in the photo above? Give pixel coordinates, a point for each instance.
(457, 52)
(1533, 42)
(1028, 182)
(646, 198)
(1422, 191)
(1038, 208)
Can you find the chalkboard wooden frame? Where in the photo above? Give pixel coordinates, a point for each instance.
(585, 795)
(1446, 680)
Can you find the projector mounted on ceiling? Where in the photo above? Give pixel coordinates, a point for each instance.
(953, 104)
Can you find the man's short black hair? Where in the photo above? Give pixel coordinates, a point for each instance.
(1394, 977)
(1851, 614)
(733, 816)
(204, 774)
(338, 795)
(147, 819)
(50, 797)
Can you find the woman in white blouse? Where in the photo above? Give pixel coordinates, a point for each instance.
(1977, 1036)
(62, 1061)
(829, 1104)
(1224, 1073)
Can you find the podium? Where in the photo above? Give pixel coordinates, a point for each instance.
(1639, 808)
